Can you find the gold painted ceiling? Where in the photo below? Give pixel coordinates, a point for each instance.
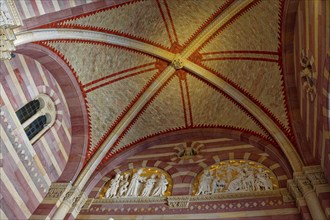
(239, 44)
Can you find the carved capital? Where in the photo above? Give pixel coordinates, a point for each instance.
(78, 203)
(9, 19)
(178, 62)
(304, 185)
(294, 190)
(57, 191)
(178, 202)
(71, 196)
(315, 175)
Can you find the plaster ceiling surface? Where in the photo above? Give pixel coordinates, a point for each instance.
(244, 51)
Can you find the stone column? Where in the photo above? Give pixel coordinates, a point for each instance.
(313, 203)
(320, 185)
(77, 205)
(303, 187)
(52, 200)
(68, 201)
(298, 197)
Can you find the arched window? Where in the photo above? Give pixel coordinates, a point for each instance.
(37, 116)
(28, 110)
(36, 126)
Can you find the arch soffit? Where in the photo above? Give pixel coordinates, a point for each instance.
(189, 135)
(291, 8)
(75, 101)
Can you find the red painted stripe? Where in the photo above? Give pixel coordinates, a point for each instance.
(172, 24)
(12, 94)
(189, 104)
(209, 20)
(33, 68)
(9, 201)
(140, 113)
(115, 80)
(20, 10)
(183, 103)
(231, 20)
(116, 74)
(109, 155)
(243, 51)
(22, 84)
(34, 7)
(2, 103)
(90, 153)
(54, 149)
(64, 138)
(239, 105)
(48, 6)
(166, 25)
(241, 58)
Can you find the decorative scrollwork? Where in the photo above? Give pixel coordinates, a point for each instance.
(308, 75)
(178, 202)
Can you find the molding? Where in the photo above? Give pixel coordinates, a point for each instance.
(322, 188)
(87, 204)
(178, 202)
(235, 195)
(214, 215)
(131, 200)
(199, 198)
(66, 34)
(57, 192)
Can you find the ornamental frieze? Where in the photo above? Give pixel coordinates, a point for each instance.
(234, 176)
(143, 182)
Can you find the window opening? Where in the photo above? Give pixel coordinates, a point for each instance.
(28, 110)
(36, 126)
(37, 116)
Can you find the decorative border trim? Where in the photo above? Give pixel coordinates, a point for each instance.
(60, 24)
(62, 57)
(128, 146)
(199, 198)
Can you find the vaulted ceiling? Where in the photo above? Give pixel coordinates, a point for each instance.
(147, 68)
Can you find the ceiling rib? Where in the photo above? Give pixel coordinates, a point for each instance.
(57, 34)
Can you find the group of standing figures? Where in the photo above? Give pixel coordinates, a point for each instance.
(137, 185)
(246, 179)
